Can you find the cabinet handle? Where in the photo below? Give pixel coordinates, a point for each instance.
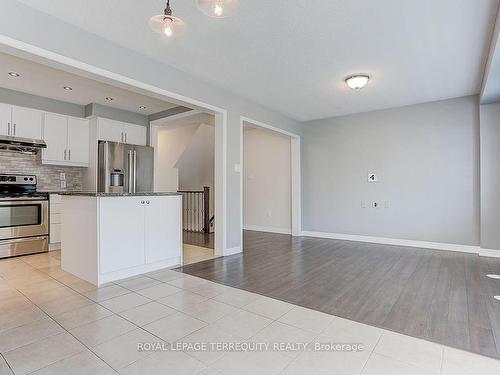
(147, 202)
(14, 128)
(64, 154)
(142, 202)
(122, 137)
(8, 128)
(69, 154)
(125, 137)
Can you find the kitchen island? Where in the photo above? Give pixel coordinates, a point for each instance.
(110, 236)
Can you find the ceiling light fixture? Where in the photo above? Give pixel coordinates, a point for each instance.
(218, 8)
(142, 107)
(109, 98)
(357, 81)
(14, 74)
(67, 88)
(166, 24)
(493, 276)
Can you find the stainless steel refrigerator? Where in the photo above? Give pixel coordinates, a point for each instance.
(125, 168)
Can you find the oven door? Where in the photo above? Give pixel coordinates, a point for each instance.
(23, 218)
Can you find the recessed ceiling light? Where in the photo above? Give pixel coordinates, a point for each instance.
(357, 81)
(142, 107)
(14, 74)
(67, 88)
(109, 98)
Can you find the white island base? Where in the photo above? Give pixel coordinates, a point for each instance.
(108, 238)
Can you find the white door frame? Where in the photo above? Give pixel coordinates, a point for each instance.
(295, 171)
(40, 55)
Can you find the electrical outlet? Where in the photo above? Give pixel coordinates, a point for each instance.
(63, 184)
(375, 205)
(62, 176)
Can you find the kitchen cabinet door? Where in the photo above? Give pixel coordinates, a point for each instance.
(27, 122)
(135, 134)
(5, 118)
(55, 135)
(163, 228)
(121, 233)
(110, 130)
(78, 141)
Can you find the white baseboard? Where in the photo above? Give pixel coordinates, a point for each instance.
(54, 246)
(397, 242)
(232, 251)
(489, 253)
(258, 228)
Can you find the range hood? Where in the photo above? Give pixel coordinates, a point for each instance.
(22, 145)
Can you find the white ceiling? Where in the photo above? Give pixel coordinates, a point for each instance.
(292, 56)
(48, 82)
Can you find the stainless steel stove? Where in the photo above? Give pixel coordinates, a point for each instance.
(24, 216)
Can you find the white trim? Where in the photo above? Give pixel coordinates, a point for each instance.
(295, 166)
(258, 228)
(397, 242)
(489, 253)
(232, 251)
(220, 115)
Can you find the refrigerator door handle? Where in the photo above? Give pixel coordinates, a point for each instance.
(106, 167)
(135, 171)
(130, 172)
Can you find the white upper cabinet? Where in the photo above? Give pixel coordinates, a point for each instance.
(55, 135)
(5, 119)
(110, 130)
(117, 131)
(78, 141)
(135, 134)
(26, 123)
(67, 140)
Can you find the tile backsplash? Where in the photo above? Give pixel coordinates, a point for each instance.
(48, 175)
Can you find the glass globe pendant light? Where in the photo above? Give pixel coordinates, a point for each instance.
(166, 24)
(218, 8)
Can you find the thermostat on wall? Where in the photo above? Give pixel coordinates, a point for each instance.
(372, 177)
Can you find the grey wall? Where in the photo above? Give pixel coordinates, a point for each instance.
(427, 159)
(65, 39)
(38, 102)
(490, 176)
(100, 110)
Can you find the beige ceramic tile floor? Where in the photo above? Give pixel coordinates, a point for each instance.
(54, 323)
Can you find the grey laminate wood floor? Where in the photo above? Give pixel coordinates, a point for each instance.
(440, 296)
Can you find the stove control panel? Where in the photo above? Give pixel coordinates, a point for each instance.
(9, 179)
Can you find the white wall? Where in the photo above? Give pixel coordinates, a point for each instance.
(67, 40)
(185, 157)
(171, 143)
(427, 159)
(490, 176)
(266, 181)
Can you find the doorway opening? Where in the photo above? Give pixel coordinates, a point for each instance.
(185, 162)
(270, 179)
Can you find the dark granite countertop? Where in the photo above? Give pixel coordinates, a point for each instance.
(98, 194)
